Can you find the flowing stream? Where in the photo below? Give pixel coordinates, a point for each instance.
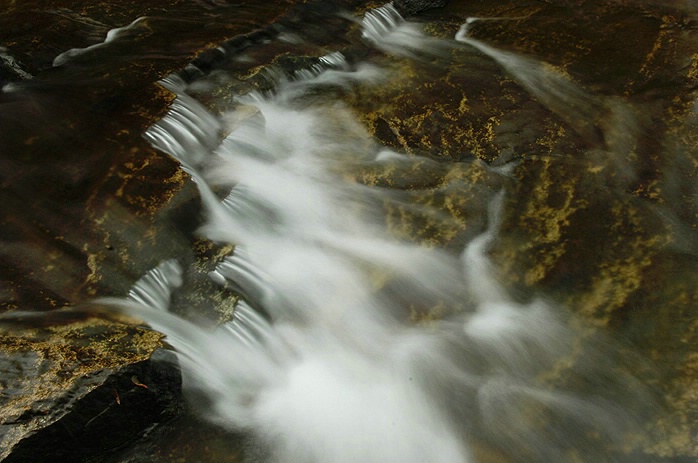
(350, 343)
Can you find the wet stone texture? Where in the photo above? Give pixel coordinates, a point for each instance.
(601, 216)
(87, 208)
(74, 381)
(603, 212)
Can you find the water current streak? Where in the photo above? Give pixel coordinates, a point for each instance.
(320, 362)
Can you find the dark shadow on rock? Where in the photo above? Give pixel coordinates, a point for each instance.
(412, 7)
(126, 406)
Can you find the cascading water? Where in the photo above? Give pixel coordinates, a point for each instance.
(607, 121)
(321, 361)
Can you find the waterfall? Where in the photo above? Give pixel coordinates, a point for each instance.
(606, 122)
(320, 362)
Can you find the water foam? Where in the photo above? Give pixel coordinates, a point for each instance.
(112, 35)
(320, 362)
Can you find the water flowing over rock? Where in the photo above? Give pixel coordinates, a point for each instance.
(455, 231)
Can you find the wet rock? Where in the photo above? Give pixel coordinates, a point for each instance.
(88, 207)
(600, 218)
(68, 382)
(187, 438)
(127, 403)
(412, 7)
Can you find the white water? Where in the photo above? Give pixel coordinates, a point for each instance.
(556, 91)
(13, 65)
(604, 120)
(112, 35)
(320, 363)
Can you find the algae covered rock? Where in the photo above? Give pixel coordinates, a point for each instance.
(88, 207)
(76, 390)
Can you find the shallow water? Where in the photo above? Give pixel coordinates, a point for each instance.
(335, 369)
